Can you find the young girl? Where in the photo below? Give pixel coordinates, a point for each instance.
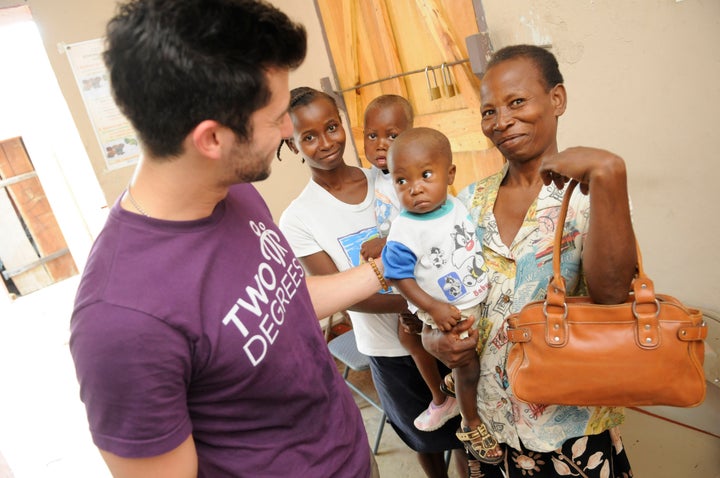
(326, 226)
(385, 118)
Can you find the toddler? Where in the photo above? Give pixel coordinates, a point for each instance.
(434, 256)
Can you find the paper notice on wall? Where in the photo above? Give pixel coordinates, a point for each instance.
(116, 136)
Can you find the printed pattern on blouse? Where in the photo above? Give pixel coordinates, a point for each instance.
(519, 274)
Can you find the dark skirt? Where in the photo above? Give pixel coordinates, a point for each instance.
(404, 395)
(593, 456)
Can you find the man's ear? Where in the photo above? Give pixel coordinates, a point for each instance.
(558, 96)
(291, 144)
(209, 138)
(451, 174)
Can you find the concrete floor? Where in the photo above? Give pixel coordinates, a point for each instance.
(394, 458)
(43, 429)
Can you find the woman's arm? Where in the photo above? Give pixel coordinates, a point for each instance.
(609, 255)
(178, 463)
(354, 289)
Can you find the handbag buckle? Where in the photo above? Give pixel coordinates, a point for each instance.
(647, 332)
(556, 327)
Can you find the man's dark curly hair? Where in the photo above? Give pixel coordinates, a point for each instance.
(176, 63)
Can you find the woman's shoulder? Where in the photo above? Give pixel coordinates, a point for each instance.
(361, 189)
(300, 203)
(372, 172)
(476, 193)
(370, 175)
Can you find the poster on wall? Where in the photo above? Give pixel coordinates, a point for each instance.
(114, 133)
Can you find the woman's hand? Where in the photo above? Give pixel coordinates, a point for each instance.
(609, 255)
(582, 164)
(448, 347)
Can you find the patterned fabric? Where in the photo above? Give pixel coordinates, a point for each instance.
(519, 274)
(594, 456)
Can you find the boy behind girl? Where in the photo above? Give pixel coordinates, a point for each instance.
(434, 256)
(385, 118)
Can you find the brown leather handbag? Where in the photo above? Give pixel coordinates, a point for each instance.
(570, 351)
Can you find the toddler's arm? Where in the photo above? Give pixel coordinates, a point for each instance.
(445, 315)
(372, 248)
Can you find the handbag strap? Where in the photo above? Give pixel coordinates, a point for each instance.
(646, 307)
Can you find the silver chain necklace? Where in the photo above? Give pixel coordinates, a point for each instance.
(135, 204)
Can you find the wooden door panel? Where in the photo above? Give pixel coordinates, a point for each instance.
(26, 216)
(16, 251)
(378, 39)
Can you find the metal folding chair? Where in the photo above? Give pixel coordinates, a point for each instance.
(344, 348)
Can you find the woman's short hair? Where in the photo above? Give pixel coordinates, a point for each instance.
(545, 61)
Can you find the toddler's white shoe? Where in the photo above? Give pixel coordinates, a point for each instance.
(436, 416)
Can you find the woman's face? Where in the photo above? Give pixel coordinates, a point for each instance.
(518, 115)
(318, 134)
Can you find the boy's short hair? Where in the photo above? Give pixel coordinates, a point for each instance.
(176, 63)
(424, 136)
(383, 101)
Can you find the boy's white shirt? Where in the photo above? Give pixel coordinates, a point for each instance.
(387, 204)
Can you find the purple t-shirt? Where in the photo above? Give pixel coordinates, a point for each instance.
(206, 327)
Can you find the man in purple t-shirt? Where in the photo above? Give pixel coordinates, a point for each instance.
(195, 333)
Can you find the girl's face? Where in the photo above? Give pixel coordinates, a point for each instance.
(318, 134)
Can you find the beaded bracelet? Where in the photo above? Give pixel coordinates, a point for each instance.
(380, 277)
